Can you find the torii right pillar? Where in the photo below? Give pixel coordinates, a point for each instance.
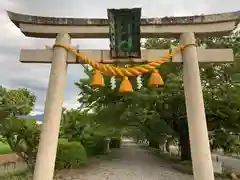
(198, 132)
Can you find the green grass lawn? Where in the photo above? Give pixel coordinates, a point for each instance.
(4, 148)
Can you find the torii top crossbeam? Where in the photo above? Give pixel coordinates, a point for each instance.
(201, 25)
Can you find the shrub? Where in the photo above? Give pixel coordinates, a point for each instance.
(70, 154)
(5, 148)
(115, 142)
(22, 135)
(95, 145)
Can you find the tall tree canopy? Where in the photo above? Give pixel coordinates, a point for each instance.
(160, 113)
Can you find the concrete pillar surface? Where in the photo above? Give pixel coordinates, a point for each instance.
(198, 133)
(44, 167)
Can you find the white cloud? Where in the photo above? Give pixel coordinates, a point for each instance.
(13, 74)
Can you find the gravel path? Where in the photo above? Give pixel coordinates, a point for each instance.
(131, 163)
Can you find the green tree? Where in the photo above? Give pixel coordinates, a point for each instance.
(220, 93)
(161, 113)
(21, 134)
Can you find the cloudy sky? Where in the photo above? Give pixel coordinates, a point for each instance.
(13, 74)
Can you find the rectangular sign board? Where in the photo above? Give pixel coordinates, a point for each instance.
(124, 33)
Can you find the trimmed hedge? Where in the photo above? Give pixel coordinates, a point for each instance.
(115, 143)
(70, 155)
(94, 145)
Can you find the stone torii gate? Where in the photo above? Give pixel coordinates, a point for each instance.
(63, 29)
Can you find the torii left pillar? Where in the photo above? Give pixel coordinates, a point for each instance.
(45, 163)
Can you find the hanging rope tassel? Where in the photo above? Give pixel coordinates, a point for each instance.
(97, 80)
(155, 79)
(125, 86)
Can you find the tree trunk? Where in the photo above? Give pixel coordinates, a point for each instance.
(185, 148)
(167, 146)
(185, 142)
(138, 139)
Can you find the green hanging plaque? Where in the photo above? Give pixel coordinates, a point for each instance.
(124, 33)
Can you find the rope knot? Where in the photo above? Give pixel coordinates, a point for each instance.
(155, 79)
(97, 80)
(125, 86)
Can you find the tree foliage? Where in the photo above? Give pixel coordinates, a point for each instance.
(21, 134)
(160, 114)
